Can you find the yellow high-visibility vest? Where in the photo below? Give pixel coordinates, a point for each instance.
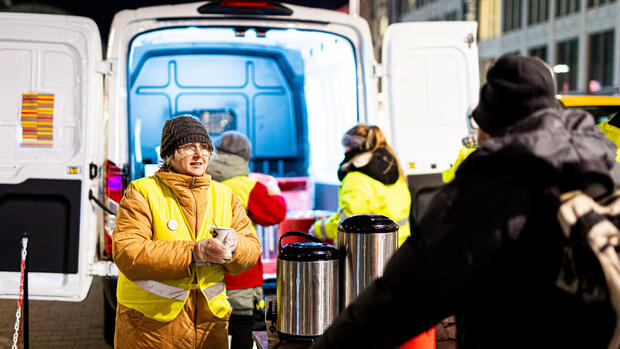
(164, 300)
(359, 194)
(242, 187)
(448, 175)
(613, 133)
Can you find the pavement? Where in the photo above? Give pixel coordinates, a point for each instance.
(80, 325)
(58, 324)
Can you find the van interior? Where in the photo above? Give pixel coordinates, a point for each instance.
(280, 87)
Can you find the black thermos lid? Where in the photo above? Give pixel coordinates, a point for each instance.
(308, 252)
(367, 224)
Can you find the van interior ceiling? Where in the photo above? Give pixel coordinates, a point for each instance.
(280, 87)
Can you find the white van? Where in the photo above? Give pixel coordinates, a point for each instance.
(75, 129)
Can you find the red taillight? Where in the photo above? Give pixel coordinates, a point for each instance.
(231, 3)
(113, 182)
(249, 7)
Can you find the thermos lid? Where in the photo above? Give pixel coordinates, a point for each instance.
(308, 252)
(367, 224)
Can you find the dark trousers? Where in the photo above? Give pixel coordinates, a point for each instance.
(240, 329)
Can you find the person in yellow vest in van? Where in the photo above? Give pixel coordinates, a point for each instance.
(265, 206)
(177, 232)
(372, 181)
(612, 131)
(469, 145)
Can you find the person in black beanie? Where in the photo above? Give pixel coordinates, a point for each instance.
(176, 234)
(488, 247)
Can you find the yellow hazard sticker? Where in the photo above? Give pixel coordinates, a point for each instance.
(37, 120)
(73, 170)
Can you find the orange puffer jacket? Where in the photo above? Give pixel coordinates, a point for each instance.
(139, 257)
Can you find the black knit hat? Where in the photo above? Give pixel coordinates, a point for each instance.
(236, 143)
(181, 130)
(516, 87)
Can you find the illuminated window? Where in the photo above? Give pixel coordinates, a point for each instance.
(601, 60)
(537, 11)
(540, 52)
(511, 15)
(566, 7)
(567, 58)
(593, 3)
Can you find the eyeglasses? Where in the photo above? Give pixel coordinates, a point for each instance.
(193, 148)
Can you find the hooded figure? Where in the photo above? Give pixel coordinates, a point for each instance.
(372, 182)
(488, 247)
(265, 206)
(176, 234)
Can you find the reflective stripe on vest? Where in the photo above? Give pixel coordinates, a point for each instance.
(164, 300)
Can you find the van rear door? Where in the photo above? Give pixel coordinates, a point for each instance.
(51, 118)
(431, 85)
(294, 82)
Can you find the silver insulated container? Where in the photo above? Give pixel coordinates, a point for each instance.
(365, 242)
(306, 286)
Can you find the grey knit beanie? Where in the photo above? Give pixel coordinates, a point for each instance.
(181, 130)
(236, 143)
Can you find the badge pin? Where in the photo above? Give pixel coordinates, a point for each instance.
(172, 224)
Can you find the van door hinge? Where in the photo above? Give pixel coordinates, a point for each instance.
(469, 39)
(377, 71)
(103, 268)
(106, 67)
(92, 170)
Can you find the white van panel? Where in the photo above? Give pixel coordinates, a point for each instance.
(325, 133)
(47, 150)
(431, 86)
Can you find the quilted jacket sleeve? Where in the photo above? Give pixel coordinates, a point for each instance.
(136, 255)
(248, 248)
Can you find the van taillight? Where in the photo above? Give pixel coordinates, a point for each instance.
(249, 7)
(232, 3)
(113, 182)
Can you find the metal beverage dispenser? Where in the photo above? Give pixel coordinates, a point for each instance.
(307, 286)
(365, 243)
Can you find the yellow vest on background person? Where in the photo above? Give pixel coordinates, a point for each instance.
(164, 300)
(613, 133)
(448, 175)
(360, 193)
(242, 187)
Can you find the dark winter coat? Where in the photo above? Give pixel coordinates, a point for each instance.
(488, 249)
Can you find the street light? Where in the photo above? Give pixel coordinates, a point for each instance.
(561, 68)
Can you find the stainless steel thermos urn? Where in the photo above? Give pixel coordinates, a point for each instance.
(306, 286)
(365, 243)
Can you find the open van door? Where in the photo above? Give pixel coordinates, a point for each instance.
(431, 84)
(51, 121)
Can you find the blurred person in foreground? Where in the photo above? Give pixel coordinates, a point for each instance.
(265, 206)
(488, 247)
(176, 234)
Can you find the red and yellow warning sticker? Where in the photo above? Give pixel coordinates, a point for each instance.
(37, 120)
